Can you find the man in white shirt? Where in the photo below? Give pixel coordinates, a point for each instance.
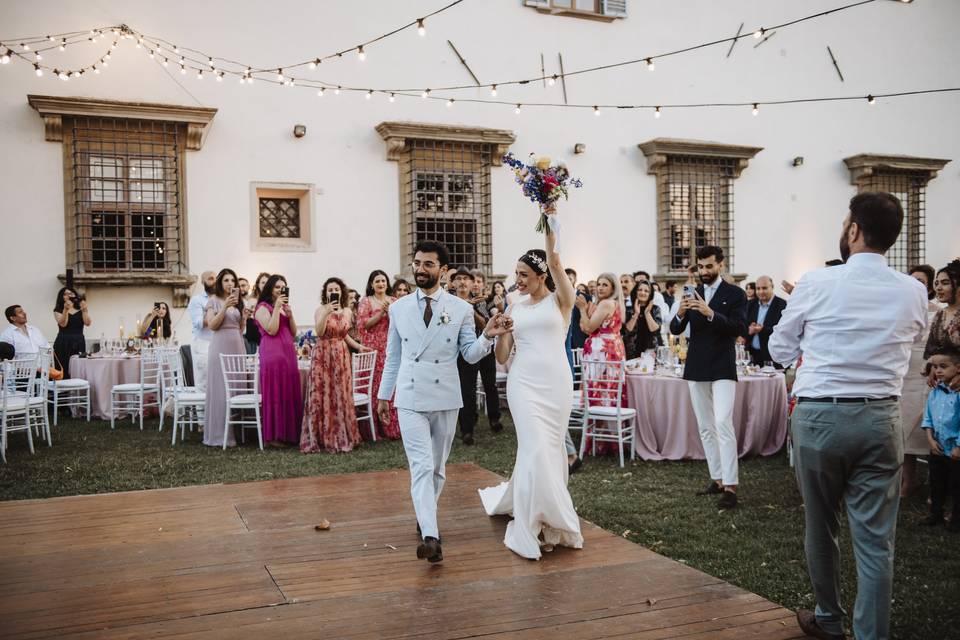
(200, 345)
(854, 325)
(25, 338)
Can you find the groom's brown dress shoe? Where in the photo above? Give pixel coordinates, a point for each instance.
(420, 534)
(808, 624)
(430, 549)
(712, 489)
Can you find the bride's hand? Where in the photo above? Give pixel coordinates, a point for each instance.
(550, 209)
(498, 325)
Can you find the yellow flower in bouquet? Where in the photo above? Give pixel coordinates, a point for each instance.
(543, 163)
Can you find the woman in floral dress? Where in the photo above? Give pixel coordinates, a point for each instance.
(329, 419)
(602, 322)
(373, 324)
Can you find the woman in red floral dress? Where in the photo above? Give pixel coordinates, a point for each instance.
(602, 321)
(329, 419)
(373, 325)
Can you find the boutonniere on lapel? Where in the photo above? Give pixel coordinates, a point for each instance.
(444, 317)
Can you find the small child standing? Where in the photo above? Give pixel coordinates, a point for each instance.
(941, 421)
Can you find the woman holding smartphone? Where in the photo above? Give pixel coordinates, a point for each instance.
(224, 316)
(282, 401)
(156, 324)
(329, 419)
(70, 312)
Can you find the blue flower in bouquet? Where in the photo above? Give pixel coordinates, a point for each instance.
(541, 182)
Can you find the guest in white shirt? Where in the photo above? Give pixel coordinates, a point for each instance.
(854, 324)
(200, 345)
(25, 338)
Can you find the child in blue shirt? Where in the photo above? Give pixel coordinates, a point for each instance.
(941, 421)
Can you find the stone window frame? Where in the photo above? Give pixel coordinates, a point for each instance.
(603, 11)
(658, 152)
(305, 193)
(872, 171)
(196, 124)
(398, 137)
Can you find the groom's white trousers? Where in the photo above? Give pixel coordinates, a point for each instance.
(427, 437)
(713, 406)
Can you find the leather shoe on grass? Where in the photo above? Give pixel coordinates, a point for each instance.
(713, 489)
(808, 624)
(496, 427)
(727, 501)
(467, 439)
(430, 549)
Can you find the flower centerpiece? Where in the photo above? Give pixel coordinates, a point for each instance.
(542, 182)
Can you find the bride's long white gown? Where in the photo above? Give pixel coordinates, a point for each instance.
(539, 390)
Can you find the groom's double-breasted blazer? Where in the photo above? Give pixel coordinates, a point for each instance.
(422, 361)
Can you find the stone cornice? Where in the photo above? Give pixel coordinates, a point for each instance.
(659, 150)
(863, 166)
(396, 134)
(53, 108)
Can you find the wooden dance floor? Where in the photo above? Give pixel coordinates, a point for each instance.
(244, 561)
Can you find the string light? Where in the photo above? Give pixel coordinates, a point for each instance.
(650, 65)
(112, 46)
(139, 42)
(62, 75)
(336, 91)
(656, 112)
(210, 62)
(393, 97)
(517, 110)
(280, 75)
(360, 54)
(871, 100)
(50, 38)
(104, 63)
(183, 70)
(596, 110)
(759, 33)
(151, 54)
(38, 70)
(199, 74)
(166, 62)
(63, 44)
(553, 80)
(756, 108)
(5, 56)
(176, 49)
(96, 70)
(39, 57)
(493, 91)
(314, 64)
(369, 94)
(425, 94)
(421, 28)
(25, 47)
(320, 92)
(450, 102)
(219, 76)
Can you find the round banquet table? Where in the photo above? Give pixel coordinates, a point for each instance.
(102, 374)
(666, 427)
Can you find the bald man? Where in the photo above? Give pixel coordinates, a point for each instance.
(763, 314)
(200, 346)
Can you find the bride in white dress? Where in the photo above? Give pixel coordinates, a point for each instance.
(539, 389)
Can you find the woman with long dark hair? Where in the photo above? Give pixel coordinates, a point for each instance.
(945, 326)
(329, 418)
(224, 315)
(70, 312)
(400, 288)
(282, 405)
(251, 333)
(643, 328)
(373, 325)
(159, 316)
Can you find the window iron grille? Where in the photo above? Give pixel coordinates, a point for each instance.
(279, 217)
(910, 188)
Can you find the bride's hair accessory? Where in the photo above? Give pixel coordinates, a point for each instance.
(534, 261)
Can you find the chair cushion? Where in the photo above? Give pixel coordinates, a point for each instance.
(501, 376)
(625, 412)
(360, 398)
(18, 402)
(133, 387)
(245, 400)
(190, 396)
(72, 383)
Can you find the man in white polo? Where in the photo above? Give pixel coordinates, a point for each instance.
(25, 338)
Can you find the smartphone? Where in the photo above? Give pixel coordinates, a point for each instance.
(689, 291)
(285, 291)
(335, 297)
(156, 305)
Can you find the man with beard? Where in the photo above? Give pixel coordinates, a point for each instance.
(428, 331)
(716, 314)
(854, 324)
(200, 345)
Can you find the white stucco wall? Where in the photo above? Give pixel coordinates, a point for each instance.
(787, 219)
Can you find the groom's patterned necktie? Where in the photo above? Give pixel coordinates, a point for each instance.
(427, 313)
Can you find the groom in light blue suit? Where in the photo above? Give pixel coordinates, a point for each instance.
(428, 329)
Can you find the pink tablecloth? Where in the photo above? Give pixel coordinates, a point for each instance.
(667, 427)
(102, 374)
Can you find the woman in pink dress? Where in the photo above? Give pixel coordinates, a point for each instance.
(282, 404)
(329, 419)
(373, 323)
(225, 317)
(601, 321)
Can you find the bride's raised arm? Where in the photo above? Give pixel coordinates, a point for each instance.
(566, 294)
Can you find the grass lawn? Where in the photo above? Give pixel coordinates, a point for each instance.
(758, 546)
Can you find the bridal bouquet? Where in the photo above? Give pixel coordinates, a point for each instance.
(542, 182)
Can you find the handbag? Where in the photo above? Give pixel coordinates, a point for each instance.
(56, 373)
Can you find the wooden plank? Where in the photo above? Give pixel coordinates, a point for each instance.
(243, 561)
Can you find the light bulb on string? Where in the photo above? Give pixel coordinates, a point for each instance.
(183, 69)
(50, 38)
(114, 45)
(314, 64)
(75, 74)
(517, 110)
(107, 57)
(320, 92)
(151, 54)
(361, 55)
(756, 108)
(656, 112)
(166, 62)
(425, 94)
(5, 57)
(38, 70)
(421, 28)
(210, 63)
(493, 91)
(139, 42)
(25, 47)
(369, 94)
(199, 74)
(63, 44)
(393, 97)
(553, 80)
(176, 49)
(63, 75)
(871, 100)
(219, 76)
(450, 102)
(596, 111)
(759, 33)
(650, 65)
(279, 75)
(39, 57)
(104, 63)
(96, 70)
(336, 91)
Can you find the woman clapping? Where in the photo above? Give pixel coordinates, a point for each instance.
(373, 324)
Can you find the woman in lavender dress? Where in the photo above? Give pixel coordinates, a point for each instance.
(225, 317)
(282, 408)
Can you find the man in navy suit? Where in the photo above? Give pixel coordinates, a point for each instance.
(763, 314)
(716, 315)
